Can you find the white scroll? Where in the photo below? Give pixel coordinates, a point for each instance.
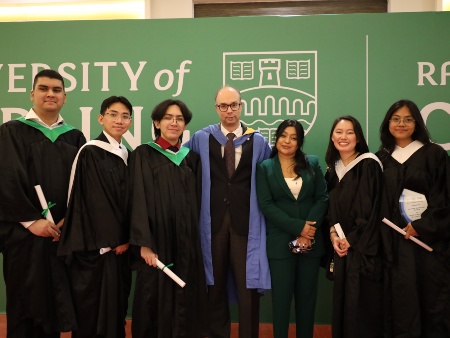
(44, 203)
(105, 250)
(414, 239)
(339, 231)
(169, 273)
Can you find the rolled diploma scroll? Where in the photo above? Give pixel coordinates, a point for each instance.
(169, 273)
(414, 239)
(43, 202)
(339, 231)
(105, 250)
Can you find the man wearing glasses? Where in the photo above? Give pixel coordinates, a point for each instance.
(96, 229)
(232, 227)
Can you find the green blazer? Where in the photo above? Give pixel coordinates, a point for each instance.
(286, 216)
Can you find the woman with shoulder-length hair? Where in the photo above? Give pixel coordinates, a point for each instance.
(354, 184)
(417, 290)
(293, 197)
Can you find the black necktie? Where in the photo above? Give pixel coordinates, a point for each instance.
(173, 148)
(229, 154)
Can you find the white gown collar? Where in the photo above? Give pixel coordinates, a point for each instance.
(341, 169)
(401, 155)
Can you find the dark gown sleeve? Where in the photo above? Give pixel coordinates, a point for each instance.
(388, 206)
(96, 215)
(15, 202)
(434, 224)
(197, 168)
(364, 236)
(331, 180)
(142, 208)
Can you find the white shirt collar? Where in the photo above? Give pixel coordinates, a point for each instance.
(401, 155)
(238, 132)
(119, 148)
(34, 117)
(112, 141)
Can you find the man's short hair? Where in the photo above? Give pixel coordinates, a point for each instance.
(50, 73)
(113, 99)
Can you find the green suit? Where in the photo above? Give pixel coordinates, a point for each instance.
(292, 274)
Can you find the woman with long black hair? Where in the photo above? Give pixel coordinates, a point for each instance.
(293, 197)
(354, 184)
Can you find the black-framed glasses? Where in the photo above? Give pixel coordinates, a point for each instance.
(223, 107)
(115, 116)
(406, 120)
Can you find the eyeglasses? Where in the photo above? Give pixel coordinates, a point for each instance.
(170, 119)
(223, 107)
(406, 120)
(115, 116)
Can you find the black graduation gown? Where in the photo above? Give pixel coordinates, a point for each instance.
(97, 218)
(164, 217)
(354, 204)
(417, 281)
(36, 282)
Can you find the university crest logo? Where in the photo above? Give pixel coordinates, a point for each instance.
(275, 86)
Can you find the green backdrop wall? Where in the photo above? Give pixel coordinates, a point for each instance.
(310, 68)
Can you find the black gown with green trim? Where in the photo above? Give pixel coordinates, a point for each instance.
(164, 217)
(417, 282)
(37, 287)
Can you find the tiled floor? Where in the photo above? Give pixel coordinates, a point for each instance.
(265, 330)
